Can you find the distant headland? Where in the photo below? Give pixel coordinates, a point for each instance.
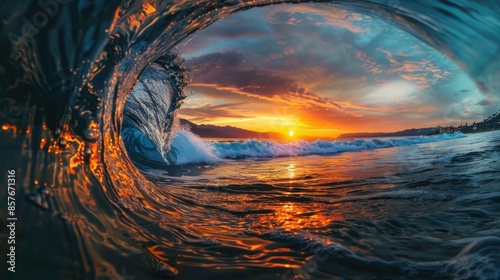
(214, 131)
(490, 123)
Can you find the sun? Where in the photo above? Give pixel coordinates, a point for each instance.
(290, 133)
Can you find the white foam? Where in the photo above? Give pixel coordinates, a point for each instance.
(189, 148)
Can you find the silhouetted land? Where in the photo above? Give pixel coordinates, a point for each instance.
(490, 123)
(407, 132)
(214, 131)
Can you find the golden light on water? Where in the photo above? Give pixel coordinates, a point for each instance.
(7, 127)
(291, 171)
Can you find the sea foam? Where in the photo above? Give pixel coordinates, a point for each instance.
(188, 148)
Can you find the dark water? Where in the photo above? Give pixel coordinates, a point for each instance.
(86, 212)
(419, 211)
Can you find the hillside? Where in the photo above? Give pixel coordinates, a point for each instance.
(214, 131)
(407, 132)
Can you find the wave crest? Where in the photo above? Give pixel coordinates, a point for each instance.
(188, 148)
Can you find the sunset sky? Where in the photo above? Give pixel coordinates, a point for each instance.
(320, 71)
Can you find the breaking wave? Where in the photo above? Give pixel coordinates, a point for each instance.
(67, 128)
(187, 147)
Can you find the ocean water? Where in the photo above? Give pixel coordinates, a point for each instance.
(406, 208)
(102, 194)
(419, 208)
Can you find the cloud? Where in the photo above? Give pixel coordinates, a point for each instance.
(319, 15)
(210, 112)
(329, 66)
(218, 60)
(227, 71)
(486, 102)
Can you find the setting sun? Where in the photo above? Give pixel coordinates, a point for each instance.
(290, 133)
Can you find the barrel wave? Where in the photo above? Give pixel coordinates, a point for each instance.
(113, 188)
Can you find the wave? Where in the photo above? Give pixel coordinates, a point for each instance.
(63, 99)
(400, 194)
(480, 259)
(188, 148)
(269, 149)
(150, 107)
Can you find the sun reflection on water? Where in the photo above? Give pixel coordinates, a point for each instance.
(291, 170)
